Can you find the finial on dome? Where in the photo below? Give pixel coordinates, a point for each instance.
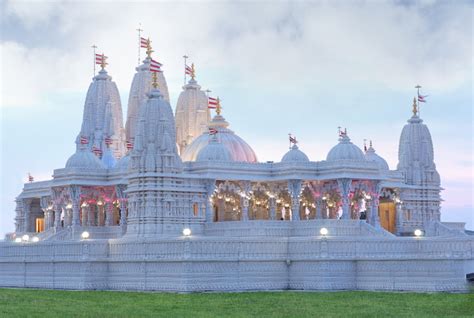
(218, 106)
(370, 143)
(365, 145)
(415, 107)
(148, 48)
(193, 71)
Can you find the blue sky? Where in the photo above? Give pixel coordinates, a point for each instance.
(305, 68)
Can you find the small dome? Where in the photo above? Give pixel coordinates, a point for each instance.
(370, 155)
(295, 155)
(84, 159)
(345, 150)
(108, 159)
(214, 151)
(239, 150)
(122, 164)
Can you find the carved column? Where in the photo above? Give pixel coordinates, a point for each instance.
(272, 203)
(210, 187)
(85, 214)
(244, 201)
(399, 216)
(294, 189)
(374, 204)
(44, 203)
(27, 213)
(75, 195)
(57, 215)
(91, 220)
(319, 207)
(109, 213)
(345, 190)
(120, 191)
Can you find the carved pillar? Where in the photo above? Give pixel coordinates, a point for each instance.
(75, 195)
(27, 213)
(57, 215)
(19, 218)
(319, 207)
(345, 190)
(91, 220)
(85, 214)
(210, 187)
(374, 204)
(100, 214)
(272, 203)
(109, 213)
(120, 191)
(244, 201)
(294, 189)
(399, 216)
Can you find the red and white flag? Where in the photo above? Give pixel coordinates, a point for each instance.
(96, 151)
(293, 140)
(30, 178)
(421, 98)
(155, 66)
(144, 42)
(100, 58)
(84, 140)
(212, 131)
(212, 102)
(188, 70)
(129, 145)
(108, 141)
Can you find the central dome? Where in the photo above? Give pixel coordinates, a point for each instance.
(239, 150)
(345, 150)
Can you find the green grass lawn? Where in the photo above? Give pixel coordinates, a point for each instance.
(53, 303)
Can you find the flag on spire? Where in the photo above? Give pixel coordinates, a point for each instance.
(421, 98)
(84, 140)
(30, 178)
(212, 102)
(188, 70)
(129, 145)
(143, 42)
(292, 139)
(155, 66)
(100, 58)
(108, 141)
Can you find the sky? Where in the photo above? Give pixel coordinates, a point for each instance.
(279, 67)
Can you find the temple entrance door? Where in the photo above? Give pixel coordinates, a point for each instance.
(387, 215)
(39, 225)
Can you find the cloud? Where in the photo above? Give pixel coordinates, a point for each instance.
(289, 46)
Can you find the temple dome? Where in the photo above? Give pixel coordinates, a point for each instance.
(239, 150)
(141, 86)
(84, 159)
(192, 114)
(122, 164)
(214, 151)
(345, 150)
(108, 159)
(295, 155)
(370, 155)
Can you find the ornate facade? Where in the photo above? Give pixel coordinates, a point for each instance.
(129, 211)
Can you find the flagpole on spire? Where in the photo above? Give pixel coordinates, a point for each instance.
(94, 47)
(418, 98)
(185, 57)
(139, 40)
(218, 106)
